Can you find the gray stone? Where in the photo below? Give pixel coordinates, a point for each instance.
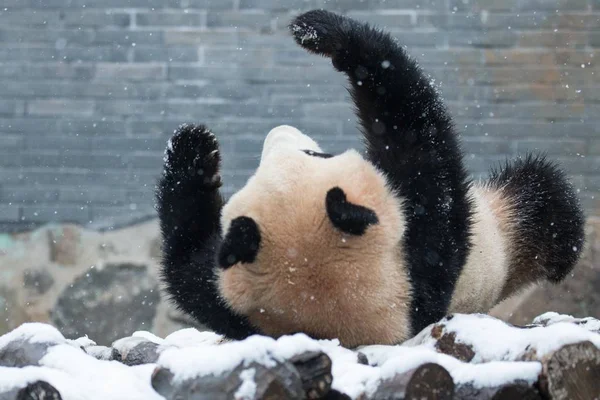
(22, 353)
(38, 280)
(279, 382)
(143, 353)
(107, 303)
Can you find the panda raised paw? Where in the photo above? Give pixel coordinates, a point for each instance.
(319, 31)
(193, 154)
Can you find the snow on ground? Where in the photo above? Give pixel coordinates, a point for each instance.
(79, 369)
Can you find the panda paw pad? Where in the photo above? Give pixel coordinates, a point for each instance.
(318, 31)
(193, 153)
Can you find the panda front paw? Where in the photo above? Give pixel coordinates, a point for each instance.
(319, 31)
(193, 154)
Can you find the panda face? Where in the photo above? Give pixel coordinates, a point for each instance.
(308, 239)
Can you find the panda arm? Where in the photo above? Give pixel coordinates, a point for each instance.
(409, 137)
(189, 208)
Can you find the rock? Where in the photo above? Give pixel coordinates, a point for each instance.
(101, 353)
(429, 381)
(515, 390)
(108, 303)
(64, 244)
(315, 371)
(304, 376)
(143, 353)
(22, 353)
(572, 372)
(37, 280)
(38, 390)
(447, 344)
(251, 382)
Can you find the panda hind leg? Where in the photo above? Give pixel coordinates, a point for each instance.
(544, 219)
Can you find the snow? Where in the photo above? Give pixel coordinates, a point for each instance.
(499, 357)
(494, 340)
(247, 389)
(33, 332)
(187, 363)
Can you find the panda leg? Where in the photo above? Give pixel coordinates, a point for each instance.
(189, 208)
(409, 136)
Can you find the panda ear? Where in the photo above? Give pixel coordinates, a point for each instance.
(348, 217)
(241, 243)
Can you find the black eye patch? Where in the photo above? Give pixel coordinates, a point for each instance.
(315, 154)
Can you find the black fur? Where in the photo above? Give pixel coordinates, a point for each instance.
(241, 243)
(189, 208)
(410, 137)
(548, 217)
(347, 217)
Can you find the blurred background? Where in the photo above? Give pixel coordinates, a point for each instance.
(90, 91)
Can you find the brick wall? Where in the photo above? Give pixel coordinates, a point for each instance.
(90, 90)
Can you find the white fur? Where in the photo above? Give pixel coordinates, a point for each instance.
(287, 137)
(484, 275)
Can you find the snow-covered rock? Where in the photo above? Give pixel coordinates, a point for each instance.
(462, 356)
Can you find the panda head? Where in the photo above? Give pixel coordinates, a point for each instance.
(310, 239)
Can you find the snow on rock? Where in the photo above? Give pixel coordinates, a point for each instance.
(490, 339)
(477, 354)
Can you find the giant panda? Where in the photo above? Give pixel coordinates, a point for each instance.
(366, 248)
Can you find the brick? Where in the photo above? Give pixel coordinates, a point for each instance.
(70, 4)
(100, 19)
(11, 107)
(168, 18)
(9, 213)
(94, 53)
(389, 20)
(487, 5)
(10, 142)
(94, 195)
(62, 213)
(552, 5)
(242, 57)
(107, 216)
(135, 72)
(571, 147)
(595, 39)
(58, 71)
(171, 54)
(60, 107)
(26, 126)
(29, 18)
(254, 20)
(553, 39)
(208, 4)
(71, 159)
(57, 37)
(278, 4)
(44, 142)
(139, 159)
(421, 5)
(128, 37)
(130, 107)
(124, 145)
(31, 54)
(94, 127)
(21, 194)
(200, 38)
(495, 39)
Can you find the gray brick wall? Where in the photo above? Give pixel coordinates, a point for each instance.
(90, 90)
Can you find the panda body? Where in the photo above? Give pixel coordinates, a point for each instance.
(366, 249)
